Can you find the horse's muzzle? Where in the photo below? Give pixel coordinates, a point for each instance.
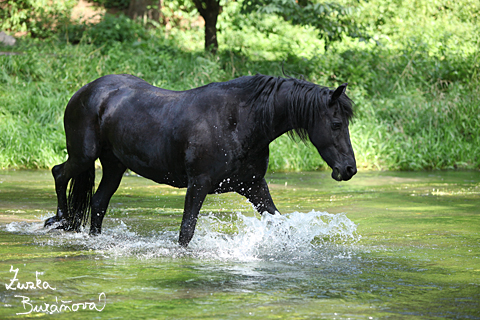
(345, 173)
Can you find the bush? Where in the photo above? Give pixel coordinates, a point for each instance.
(39, 18)
(109, 30)
(117, 4)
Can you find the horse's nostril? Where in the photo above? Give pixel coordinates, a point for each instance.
(336, 174)
(351, 170)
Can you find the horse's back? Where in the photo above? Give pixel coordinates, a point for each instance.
(128, 91)
(154, 131)
(101, 98)
(94, 94)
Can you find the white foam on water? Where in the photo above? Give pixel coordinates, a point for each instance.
(289, 237)
(292, 236)
(25, 227)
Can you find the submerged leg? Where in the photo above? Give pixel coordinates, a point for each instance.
(112, 172)
(196, 192)
(259, 195)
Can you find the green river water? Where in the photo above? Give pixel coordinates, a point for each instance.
(384, 245)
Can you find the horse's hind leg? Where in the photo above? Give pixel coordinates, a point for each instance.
(83, 146)
(61, 182)
(62, 174)
(112, 174)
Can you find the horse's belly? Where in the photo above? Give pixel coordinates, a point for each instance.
(154, 166)
(160, 175)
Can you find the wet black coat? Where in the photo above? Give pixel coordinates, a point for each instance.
(211, 139)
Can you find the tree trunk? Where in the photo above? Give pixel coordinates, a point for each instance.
(144, 10)
(209, 10)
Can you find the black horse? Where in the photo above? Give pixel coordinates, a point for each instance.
(212, 139)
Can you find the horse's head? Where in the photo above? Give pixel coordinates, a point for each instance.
(331, 137)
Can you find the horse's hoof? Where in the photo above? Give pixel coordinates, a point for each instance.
(50, 221)
(94, 233)
(55, 222)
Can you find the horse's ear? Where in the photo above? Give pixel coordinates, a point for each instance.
(338, 92)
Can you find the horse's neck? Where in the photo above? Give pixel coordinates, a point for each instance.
(281, 122)
(268, 129)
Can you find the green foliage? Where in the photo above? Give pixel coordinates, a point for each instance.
(331, 19)
(117, 4)
(180, 14)
(40, 18)
(109, 30)
(268, 37)
(415, 81)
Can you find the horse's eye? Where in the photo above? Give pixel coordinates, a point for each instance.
(336, 125)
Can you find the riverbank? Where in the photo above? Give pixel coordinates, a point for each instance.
(415, 82)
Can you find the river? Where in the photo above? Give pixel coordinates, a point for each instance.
(384, 245)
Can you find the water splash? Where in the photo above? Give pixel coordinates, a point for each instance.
(25, 227)
(293, 236)
(290, 237)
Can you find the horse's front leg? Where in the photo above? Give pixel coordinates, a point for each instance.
(258, 194)
(196, 192)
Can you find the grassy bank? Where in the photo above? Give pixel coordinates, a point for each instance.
(415, 81)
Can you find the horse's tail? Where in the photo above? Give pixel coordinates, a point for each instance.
(79, 200)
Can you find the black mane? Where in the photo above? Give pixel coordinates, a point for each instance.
(306, 102)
